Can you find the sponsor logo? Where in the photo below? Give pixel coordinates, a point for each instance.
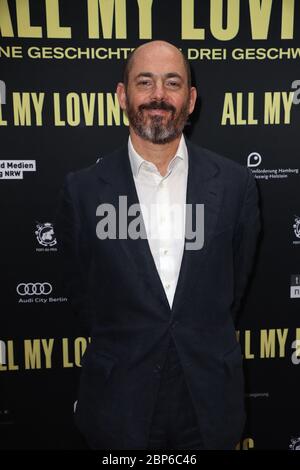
(296, 227)
(37, 292)
(295, 443)
(38, 288)
(46, 237)
(257, 395)
(14, 169)
(295, 286)
(254, 160)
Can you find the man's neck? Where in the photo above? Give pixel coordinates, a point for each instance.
(159, 154)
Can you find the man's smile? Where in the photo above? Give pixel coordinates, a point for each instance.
(158, 112)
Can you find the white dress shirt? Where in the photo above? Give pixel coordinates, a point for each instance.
(162, 200)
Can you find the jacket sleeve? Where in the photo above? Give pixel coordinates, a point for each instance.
(73, 252)
(245, 241)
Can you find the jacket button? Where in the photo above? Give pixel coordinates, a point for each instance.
(174, 324)
(157, 368)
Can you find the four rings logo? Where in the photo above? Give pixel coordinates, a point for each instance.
(37, 288)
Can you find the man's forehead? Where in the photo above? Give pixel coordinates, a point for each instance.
(166, 56)
(158, 66)
(158, 52)
(157, 57)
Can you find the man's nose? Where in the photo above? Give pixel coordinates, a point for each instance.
(158, 92)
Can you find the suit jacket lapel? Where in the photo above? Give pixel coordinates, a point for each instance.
(203, 187)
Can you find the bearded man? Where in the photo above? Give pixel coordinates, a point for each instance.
(158, 241)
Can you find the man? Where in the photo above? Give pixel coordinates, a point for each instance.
(164, 368)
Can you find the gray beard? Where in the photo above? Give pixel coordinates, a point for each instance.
(157, 132)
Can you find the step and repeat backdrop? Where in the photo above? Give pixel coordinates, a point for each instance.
(60, 61)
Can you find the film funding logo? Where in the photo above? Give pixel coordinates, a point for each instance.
(14, 169)
(255, 161)
(46, 237)
(295, 286)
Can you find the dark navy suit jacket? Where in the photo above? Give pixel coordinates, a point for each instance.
(115, 287)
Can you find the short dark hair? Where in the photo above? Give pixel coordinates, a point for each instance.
(129, 63)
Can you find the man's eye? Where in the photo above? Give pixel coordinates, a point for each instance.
(173, 84)
(144, 83)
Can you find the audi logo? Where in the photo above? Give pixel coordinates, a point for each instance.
(37, 288)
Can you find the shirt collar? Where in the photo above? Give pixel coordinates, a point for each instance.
(136, 161)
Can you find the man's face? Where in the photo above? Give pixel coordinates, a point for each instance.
(158, 100)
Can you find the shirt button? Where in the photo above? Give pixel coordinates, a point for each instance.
(167, 286)
(165, 252)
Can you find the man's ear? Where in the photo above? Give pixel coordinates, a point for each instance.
(121, 95)
(193, 98)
